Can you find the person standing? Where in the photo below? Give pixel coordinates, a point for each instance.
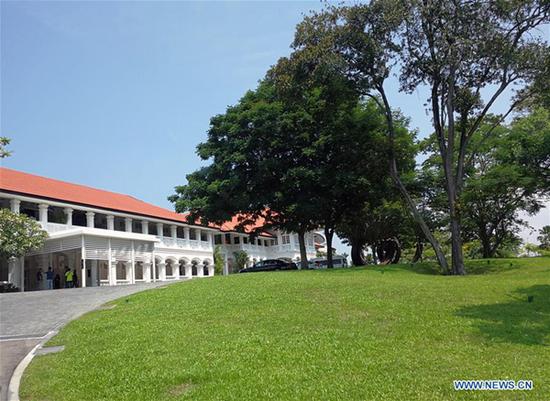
(49, 278)
(39, 278)
(68, 278)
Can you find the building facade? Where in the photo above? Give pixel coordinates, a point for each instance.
(112, 239)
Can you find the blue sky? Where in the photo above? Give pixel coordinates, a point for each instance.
(116, 95)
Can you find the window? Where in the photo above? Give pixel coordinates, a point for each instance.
(204, 236)
(285, 239)
(136, 226)
(217, 239)
(237, 240)
(192, 234)
(228, 238)
(245, 240)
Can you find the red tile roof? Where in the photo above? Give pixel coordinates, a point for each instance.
(33, 185)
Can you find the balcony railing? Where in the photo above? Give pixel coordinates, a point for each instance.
(170, 242)
(56, 227)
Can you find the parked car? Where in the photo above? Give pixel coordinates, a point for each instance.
(321, 263)
(270, 265)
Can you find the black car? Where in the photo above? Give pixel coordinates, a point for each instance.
(270, 265)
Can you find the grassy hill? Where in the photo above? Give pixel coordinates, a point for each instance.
(398, 333)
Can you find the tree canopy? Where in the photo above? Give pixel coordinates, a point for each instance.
(19, 234)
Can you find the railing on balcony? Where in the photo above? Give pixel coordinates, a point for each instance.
(56, 227)
(184, 243)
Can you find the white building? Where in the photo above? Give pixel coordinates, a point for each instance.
(112, 239)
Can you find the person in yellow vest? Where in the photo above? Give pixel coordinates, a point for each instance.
(68, 278)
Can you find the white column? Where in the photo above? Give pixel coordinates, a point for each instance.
(14, 204)
(186, 233)
(43, 213)
(83, 274)
(162, 271)
(159, 230)
(144, 227)
(128, 224)
(174, 232)
(69, 214)
(110, 222)
(129, 272)
(13, 271)
(146, 272)
(225, 265)
(209, 239)
(154, 269)
(133, 262)
(22, 273)
(113, 272)
(200, 270)
(188, 270)
(90, 219)
(198, 234)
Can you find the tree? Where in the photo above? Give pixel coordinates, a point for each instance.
(3, 143)
(363, 38)
(544, 238)
(219, 261)
(507, 173)
(241, 259)
(256, 170)
(459, 50)
(19, 234)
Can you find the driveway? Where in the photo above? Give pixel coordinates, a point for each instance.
(27, 317)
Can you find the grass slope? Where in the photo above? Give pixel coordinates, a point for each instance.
(350, 334)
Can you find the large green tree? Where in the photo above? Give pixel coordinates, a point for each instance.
(467, 54)
(19, 234)
(506, 173)
(262, 164)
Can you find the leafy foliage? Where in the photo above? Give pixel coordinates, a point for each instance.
(241, 259)
(544, 238)
(219, 261)
(19, 234)
(507, 173)
(3, 143)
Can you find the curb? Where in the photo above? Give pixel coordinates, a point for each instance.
(15, 381)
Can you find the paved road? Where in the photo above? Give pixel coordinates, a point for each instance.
(28, 316)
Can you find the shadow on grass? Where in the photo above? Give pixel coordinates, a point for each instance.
(473, 267)
(517, 321)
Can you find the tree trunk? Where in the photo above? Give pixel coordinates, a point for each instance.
(328, 239)
(357, 254)
(456, 237)
(485, 244)
(374, 256)
(408, 199)
(456, 243)
(418, 252)
(303, 252)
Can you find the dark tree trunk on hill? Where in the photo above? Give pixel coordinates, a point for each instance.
(418, 252)
(303, 252)
(329, 233)
(357, 254)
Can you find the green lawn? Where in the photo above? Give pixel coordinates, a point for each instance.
(351, 334)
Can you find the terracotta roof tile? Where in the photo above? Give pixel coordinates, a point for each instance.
(29, 184)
